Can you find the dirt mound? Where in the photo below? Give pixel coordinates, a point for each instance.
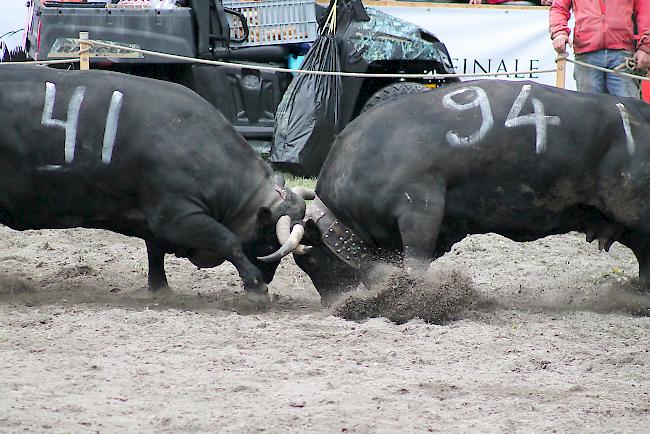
(435, 297)
(603, 297)
(618, 294)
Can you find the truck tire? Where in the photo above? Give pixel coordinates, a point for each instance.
(391, 91)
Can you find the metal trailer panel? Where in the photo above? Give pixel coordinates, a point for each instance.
(167, 31)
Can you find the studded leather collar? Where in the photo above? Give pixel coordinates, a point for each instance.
(339, 238)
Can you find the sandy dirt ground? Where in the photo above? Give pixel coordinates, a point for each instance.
(561, 345)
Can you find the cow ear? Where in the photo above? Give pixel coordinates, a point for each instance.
(264, 217)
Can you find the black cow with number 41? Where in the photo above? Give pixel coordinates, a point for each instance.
(144, 158)
(410, 178)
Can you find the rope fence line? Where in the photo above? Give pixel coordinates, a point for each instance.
(10, 33)
(599, 68)
(428, 76)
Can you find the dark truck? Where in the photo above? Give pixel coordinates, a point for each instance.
(244, 32)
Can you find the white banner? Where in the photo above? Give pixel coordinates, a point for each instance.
(490, 39)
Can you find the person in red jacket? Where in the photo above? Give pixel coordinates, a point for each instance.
(603, 36)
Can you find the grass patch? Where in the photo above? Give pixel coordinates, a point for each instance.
(293, 181)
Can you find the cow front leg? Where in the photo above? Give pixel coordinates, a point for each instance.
(202, 233)
(419, 218)
(157, 279)
(639, 243)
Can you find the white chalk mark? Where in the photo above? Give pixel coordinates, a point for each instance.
(538, 118)
(48, 107)
(110, 132)
(72, 120)
(481, 100)
(541, 125)
(513, 119)
(50, 167)
(625, 117)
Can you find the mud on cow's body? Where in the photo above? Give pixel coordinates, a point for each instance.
(523, 160)
(140, 157)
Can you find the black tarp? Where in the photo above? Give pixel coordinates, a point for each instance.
(307, 119)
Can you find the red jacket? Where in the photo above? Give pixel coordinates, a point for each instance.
(602, 24)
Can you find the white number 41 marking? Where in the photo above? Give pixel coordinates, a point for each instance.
(71, 123)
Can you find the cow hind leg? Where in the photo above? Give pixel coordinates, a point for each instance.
(639, 243)
(419, 218)
(643, 256)
(157, 278)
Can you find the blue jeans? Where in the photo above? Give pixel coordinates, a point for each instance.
(594, 81)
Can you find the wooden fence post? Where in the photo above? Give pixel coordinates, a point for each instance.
(84, 59)
(561, 69)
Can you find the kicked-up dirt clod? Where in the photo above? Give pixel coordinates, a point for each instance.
(434, 297)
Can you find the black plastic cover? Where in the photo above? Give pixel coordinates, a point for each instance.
(307, 119)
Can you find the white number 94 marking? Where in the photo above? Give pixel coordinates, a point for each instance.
(538, 118)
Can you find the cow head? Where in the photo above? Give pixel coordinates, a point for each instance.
(330, 274)
(279, 231)
(267, 234)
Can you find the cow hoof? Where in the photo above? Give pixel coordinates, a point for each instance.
(416, 267)
(640, 287)
(328, 299)
(258, 301)
(152, 293)
(159, 288)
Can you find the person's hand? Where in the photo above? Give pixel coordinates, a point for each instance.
(475, 2)
(559, 42)
(547, 2)
(642, 60)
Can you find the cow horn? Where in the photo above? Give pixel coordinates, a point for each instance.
(282, 231)
(302, 249)
(304, 192)
(290, 241)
